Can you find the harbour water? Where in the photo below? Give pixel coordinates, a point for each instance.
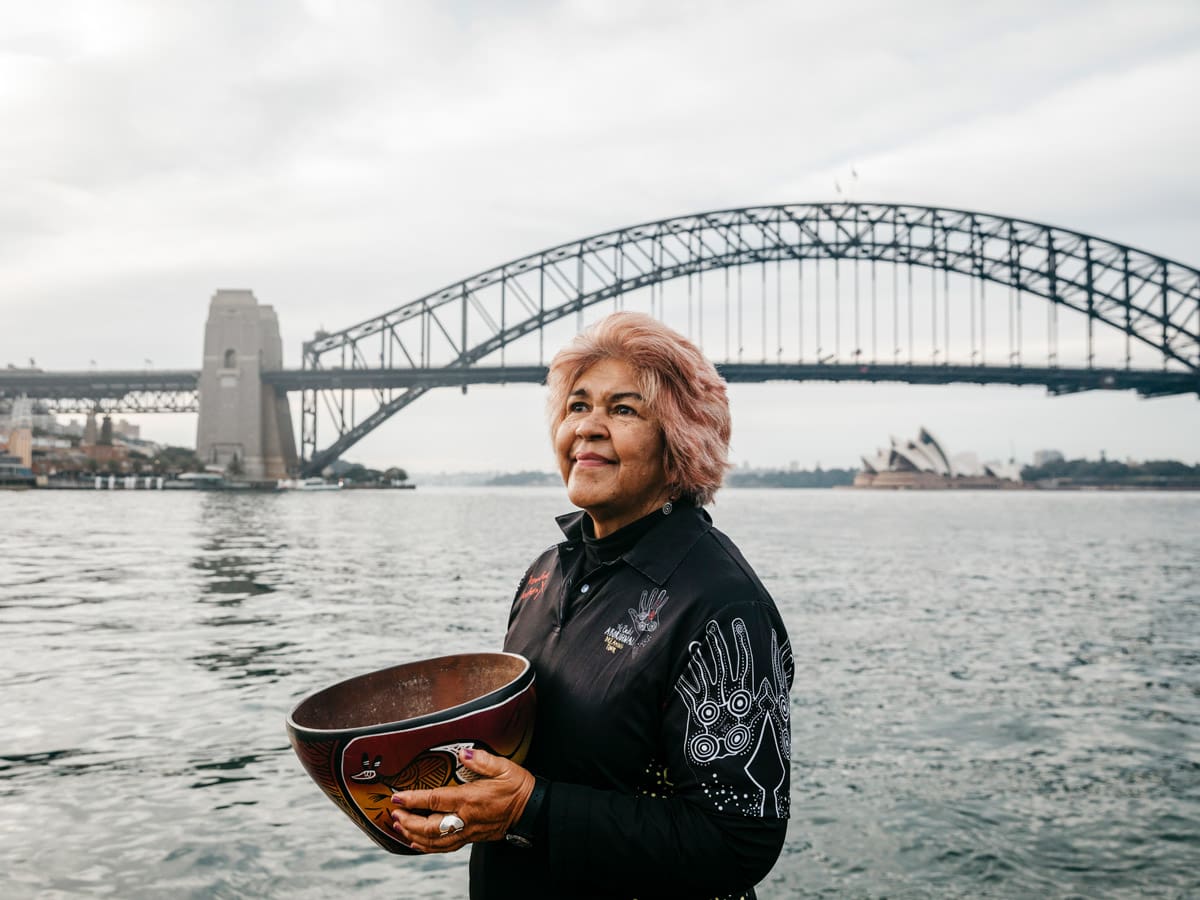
(997, 694)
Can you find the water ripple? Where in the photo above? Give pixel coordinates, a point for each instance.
(995, 695)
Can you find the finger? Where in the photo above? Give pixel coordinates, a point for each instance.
(410, 822)
(431, 843)
(483, 763)
(405, 836)
(408, 825)
(443, 799)
(777, 665)
(425, 833)
(719, 650)
(745, 658)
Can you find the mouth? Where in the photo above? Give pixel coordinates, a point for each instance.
(592, 461)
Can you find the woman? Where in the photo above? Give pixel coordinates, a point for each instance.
(660, 759)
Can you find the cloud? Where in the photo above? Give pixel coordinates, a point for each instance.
(343, 158)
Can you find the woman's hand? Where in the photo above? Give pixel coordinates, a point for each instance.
(488, 807)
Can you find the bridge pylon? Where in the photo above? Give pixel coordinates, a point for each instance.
(244, 424)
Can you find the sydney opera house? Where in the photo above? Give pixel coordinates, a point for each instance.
(924, 464)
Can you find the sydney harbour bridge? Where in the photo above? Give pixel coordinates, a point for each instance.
(810, 291)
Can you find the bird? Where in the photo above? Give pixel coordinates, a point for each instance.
(461, 772)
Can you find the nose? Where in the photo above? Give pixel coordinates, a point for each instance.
(591, 426)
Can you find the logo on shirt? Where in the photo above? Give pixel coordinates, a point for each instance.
(535, 587)
(642, 625)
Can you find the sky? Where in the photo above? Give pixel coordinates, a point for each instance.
(342, 158)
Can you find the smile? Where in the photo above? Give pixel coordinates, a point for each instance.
(591, 461)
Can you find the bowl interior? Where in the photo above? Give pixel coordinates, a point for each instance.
(408, 691)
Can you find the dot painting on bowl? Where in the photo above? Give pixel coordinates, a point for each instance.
(402, 728)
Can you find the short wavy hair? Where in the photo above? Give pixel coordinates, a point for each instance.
(681, 387)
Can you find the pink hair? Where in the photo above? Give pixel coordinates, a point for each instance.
(681, 387)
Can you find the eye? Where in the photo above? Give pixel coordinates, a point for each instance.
(576, 406)
(622, 410)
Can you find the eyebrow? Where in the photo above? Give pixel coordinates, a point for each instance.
(612, 398)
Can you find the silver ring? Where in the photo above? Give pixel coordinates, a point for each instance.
(451, 824)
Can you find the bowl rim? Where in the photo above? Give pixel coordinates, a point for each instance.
(517, 685)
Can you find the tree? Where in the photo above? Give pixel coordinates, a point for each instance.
(395, 474)
(355, 473)
(1108, 471)
(178, 459)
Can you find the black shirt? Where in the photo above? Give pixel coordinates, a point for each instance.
(663, 718)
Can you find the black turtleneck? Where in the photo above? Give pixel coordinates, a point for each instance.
(604, 551)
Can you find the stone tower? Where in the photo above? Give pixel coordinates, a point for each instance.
(241, 418)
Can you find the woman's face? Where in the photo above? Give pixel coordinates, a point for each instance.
(610, 448)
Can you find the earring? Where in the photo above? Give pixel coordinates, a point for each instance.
(667, 508)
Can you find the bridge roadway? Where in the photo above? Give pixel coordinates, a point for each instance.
(128, 391)
(176, 390)
(1057, 381)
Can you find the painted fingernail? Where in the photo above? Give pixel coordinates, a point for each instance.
(397, 799)
(468, 753)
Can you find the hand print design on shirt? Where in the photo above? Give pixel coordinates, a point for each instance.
(645, 617)
(729, 715)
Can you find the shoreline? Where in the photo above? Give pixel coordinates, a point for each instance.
(175, 487)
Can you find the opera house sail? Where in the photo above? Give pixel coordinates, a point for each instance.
(923, 463)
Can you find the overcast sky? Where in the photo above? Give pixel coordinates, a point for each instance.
(341, 158)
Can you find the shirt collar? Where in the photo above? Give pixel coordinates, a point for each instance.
(661, 551)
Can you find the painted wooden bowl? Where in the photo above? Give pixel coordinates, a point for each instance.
(401, 728)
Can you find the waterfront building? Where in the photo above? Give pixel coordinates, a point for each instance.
(923, 463)
(14, 473)
(20, 431)
(20, 445)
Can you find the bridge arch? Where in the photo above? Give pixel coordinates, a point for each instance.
(1150, 300)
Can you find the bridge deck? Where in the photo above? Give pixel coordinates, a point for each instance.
(115, 385)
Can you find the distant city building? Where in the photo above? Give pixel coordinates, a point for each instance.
(20, 431)
(51, 443)
(923, 463)
(38, 441)
(20, 445)
(19, 413)
(42, 420)
(1045, 457)
(125, 429)
(71, 428)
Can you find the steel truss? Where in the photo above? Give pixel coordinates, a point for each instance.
(105, 392)
(1149, 299)
(133, 402)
